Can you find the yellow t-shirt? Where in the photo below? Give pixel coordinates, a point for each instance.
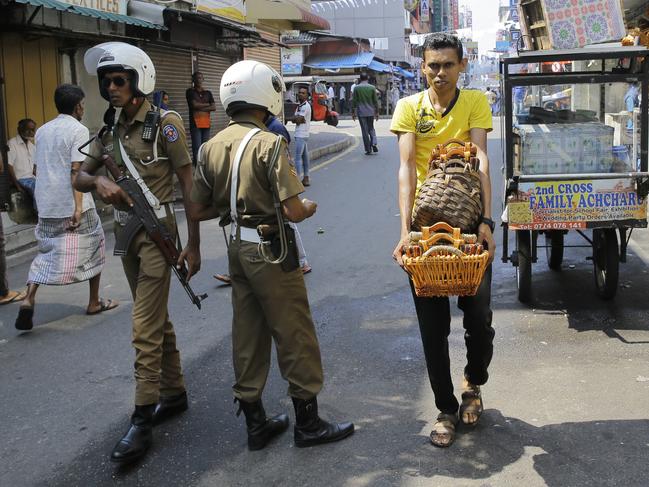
(416, 114)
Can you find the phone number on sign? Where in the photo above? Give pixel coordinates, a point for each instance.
(549, 226)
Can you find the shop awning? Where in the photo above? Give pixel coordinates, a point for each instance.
(403, 72)
(291, 10)
(311, 21)
(89, 12)
(379, 67)
(241, 34)
(339, 61)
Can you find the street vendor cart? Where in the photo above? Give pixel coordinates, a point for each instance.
(577, 166)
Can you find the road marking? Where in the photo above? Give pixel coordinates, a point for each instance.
(335, 158)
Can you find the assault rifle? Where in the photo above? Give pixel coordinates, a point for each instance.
(144, 217)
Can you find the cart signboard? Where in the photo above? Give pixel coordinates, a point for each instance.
(566, 205)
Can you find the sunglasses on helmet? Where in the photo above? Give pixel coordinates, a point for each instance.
(118, 81)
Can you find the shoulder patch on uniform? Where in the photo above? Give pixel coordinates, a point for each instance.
(170, 132)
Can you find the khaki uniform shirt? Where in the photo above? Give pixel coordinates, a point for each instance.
(213, 175)
(172, 151)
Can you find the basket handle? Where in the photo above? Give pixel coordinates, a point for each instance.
(438, 249)
(453, 141)
(441, 227)
(442, 237)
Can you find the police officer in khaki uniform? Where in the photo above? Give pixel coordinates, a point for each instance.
(126, 74)
(268, 302)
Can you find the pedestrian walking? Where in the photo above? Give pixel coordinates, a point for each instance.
(152, 153)
(244, 171)
(201, 104)
(491, 99)
(453, 114)
(70, 237)
(342, 98)
(395, 95)
(302, 120)
(20, 155)
(331, 95)
(365, 106)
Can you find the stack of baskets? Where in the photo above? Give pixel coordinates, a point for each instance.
(442, 261)
(443, 256)
(451, 192)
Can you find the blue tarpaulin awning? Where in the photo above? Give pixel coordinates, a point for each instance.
(89, 12)
(403, 72)
(339, 61)
(379, 66)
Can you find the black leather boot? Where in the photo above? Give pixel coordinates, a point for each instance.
(260, 428)
(137, 440)
(169, 406)
(311, 430)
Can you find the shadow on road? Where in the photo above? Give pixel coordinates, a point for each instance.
(207, 445)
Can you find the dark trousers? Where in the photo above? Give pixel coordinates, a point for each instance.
(369, 134)
(4, 285)
(341, 104)
(199, 137)
(434, 315)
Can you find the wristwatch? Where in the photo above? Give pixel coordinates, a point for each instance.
(489, 222)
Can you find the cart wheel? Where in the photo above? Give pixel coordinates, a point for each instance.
(524, 267)
(606, 262)
(554, 249)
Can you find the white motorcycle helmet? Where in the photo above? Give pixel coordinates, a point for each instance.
(251, 84)
(119, 56)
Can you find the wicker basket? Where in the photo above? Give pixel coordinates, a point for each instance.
(441, 261)
(451, 192)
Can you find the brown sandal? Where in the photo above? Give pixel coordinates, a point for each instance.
(443, 434)
(471, 404)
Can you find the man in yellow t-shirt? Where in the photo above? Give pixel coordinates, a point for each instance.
(422, 121)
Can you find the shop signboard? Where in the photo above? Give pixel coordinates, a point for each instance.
(471, 50)
(110, 6)
(424, 11)
(565, 205)
(292, 60)
(231, 9)
(502, 46)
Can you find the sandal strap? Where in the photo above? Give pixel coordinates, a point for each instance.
(447, 420)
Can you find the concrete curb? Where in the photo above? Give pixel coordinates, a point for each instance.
(331, 148)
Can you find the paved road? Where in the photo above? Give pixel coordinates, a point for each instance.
(566, 402)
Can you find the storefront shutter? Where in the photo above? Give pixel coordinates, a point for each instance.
(268, 55)
(174, 75)
(213, 66)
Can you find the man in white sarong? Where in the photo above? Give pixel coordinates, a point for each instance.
(70, 237)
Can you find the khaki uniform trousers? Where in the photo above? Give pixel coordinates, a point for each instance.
(268, 304)
(157, 360)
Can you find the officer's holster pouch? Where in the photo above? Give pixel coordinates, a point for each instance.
(270, 237)
(292, 260)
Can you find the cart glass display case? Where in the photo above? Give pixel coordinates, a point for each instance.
(576, 138)
(576, 135)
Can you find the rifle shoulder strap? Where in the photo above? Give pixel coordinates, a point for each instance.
(122, 157)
